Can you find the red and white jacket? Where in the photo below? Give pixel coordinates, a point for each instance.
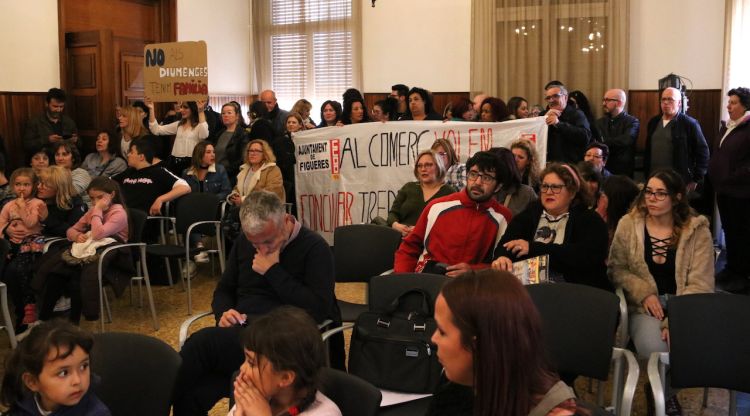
(453, 229)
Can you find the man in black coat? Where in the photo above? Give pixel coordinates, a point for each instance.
(619, 132)
(569, 132)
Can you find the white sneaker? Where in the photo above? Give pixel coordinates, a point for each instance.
(191, 269)
(20, 337)
(201, 257)
(63, 304)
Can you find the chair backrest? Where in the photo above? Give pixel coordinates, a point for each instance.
(137, 373)
(579, 326)
(353, 396)
(194, 207)
(361, 251)
(710, 341)
(137, 222)
(384, 289)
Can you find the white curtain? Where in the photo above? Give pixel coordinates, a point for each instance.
(736, 39)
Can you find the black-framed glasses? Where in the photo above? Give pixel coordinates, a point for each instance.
(657, 195)
(485, 178)
(554, 188)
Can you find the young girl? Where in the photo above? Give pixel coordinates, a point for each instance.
(283, 357)
(49, 374)
(21, 224)
(107, 218)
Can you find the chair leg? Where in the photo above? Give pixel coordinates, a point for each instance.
(148, 290)
(187, 285)
(705, 397)
(6, 316)
(169, 271)
(106, 306)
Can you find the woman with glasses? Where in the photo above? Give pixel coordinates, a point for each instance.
(414, 196)
(455, 171)
(259, 172)
(661, 248)
(559, 225)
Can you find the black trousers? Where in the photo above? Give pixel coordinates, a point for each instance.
(209, 358)
(736, 224)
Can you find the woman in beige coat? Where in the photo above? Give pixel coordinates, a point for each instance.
(259, 172)
(662, 248)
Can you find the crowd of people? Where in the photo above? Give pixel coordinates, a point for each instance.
(583, 210)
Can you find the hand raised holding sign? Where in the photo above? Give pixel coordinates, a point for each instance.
(201, 105)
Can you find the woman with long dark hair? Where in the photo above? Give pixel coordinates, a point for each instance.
(662, 248)
(105, 161)
(420, 106)
(489, 338)
(330, 114)
(189, 130)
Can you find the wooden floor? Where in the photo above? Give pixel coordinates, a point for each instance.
(171, 306)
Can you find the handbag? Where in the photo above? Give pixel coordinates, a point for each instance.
(392, 349)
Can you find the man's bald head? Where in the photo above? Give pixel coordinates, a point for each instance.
(614, 102)
(269, 99)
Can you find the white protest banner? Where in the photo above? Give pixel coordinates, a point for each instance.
(176, 71)
(351, 174)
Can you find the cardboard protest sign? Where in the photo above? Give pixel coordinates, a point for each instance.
(351, 174)
(176, 71)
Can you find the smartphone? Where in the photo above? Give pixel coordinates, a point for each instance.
(435, 267)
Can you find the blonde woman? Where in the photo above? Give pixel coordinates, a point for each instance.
(65, 208)
(259, 172)
(527, 161)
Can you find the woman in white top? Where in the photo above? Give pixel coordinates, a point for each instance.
(283, 358)
(188, 131)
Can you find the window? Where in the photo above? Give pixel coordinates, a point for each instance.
(305, 49)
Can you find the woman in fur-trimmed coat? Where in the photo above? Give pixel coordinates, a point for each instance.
(662, 248)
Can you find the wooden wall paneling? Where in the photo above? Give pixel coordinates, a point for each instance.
(130, 19)
(128, 66)
(16, 108)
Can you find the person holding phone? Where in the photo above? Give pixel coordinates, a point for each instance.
(51, 127)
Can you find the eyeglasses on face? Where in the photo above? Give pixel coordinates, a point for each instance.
(657, 195)
(610, 100)
(594, 155)
(425, 165)
(554, 188)
(483, 177)
(552, 97)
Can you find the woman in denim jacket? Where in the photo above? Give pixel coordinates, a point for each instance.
(205, 175)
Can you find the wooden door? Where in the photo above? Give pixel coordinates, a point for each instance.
(91, 86)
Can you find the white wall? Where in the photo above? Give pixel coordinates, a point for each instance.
(225, 26)
(685, 37)
(421, 43)
(29, 46)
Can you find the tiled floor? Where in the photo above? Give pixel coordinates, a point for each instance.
(171, 306)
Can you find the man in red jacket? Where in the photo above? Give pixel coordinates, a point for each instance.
(458, 232)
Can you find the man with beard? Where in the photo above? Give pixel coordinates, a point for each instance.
(619, 131)
(51, 127)
(458, 232)
(274, 114)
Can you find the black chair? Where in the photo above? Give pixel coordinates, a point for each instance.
(194, 212)
(137, 373)
(709, 346)
(353, 396)
(579, 329)
(361, 251)
(138, 247)
(7, 321)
